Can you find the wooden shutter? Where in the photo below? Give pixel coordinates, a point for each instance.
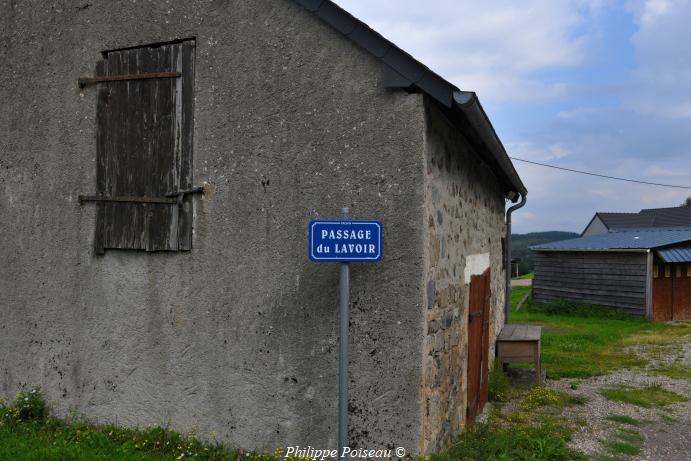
(144, 148)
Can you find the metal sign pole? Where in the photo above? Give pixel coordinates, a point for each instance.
(344, 292)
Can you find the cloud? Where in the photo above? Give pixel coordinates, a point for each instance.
(530, 151)
(663, 74)
(594, 85)
(656, 171)
(491, 47)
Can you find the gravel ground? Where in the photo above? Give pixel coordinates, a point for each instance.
(666, 432)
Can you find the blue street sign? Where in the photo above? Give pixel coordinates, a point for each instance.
(345, 241)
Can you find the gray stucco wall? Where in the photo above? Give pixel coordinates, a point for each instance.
(464, 226)
(238, 336)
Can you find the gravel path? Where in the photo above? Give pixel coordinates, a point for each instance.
(666, 431)
(521, 282)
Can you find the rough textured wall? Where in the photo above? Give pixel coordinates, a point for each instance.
(239, 335)
(464, 226)
(616, 279)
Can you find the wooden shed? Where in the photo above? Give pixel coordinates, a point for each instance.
(645, 271)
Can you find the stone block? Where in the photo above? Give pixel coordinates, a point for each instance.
(439, 341)
(431, 293)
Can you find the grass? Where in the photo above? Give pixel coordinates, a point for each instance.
(624, 448)
(647, 397)
(500, 387)
(541, 396)
(528, 276)
(28, 433)
(625, 441)
(623, 419)
(669, 419)
(582, 341)
(665, 337)
(517, 294)
(672, 370)
(540, 440)
(631, 436)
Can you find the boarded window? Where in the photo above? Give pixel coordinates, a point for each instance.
(144, 148)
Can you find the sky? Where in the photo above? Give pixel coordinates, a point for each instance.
(595, 85)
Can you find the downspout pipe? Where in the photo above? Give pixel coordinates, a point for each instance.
(507, 240)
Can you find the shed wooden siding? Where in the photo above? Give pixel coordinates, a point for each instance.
(615, 279)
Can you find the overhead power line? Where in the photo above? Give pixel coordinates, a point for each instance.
(676, 186)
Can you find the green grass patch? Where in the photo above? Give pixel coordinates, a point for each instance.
(672, 370)
(669, 419)
(647, 397)
(517, 294)
(541, 397)
(28, 433)
(500, 387)
(623, 419)
(528, 276)
(629, 436)
(581, 341)
(672, 333)
(543, 440)
(623, 447)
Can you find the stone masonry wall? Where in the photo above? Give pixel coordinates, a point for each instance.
(464, 226)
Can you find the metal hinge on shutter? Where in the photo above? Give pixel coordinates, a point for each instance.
(171, 198)
(84, 81)
(473, 315)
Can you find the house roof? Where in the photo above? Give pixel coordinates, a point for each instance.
(679, 216)
(403, 71)
(630, 239)
(675, 255)
(625, 220)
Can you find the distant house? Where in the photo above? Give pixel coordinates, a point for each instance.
(601, 223)
(643, 271)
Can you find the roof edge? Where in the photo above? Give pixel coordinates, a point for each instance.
(591, 221)
(595, 250)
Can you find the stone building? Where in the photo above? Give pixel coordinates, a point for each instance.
(147, 302)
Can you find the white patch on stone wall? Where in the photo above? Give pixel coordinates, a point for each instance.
(475, 265)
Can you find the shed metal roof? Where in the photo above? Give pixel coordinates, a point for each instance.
(630, 239)
(403, 71)
(675, 255)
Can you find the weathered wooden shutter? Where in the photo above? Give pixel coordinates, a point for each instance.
(144, 148)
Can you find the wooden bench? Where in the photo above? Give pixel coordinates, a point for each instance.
(520, 343)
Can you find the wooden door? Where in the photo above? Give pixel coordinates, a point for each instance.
(671, 292)
(681, 292)
(662, 292)
(478, 344)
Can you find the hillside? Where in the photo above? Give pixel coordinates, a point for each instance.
(521, 242)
